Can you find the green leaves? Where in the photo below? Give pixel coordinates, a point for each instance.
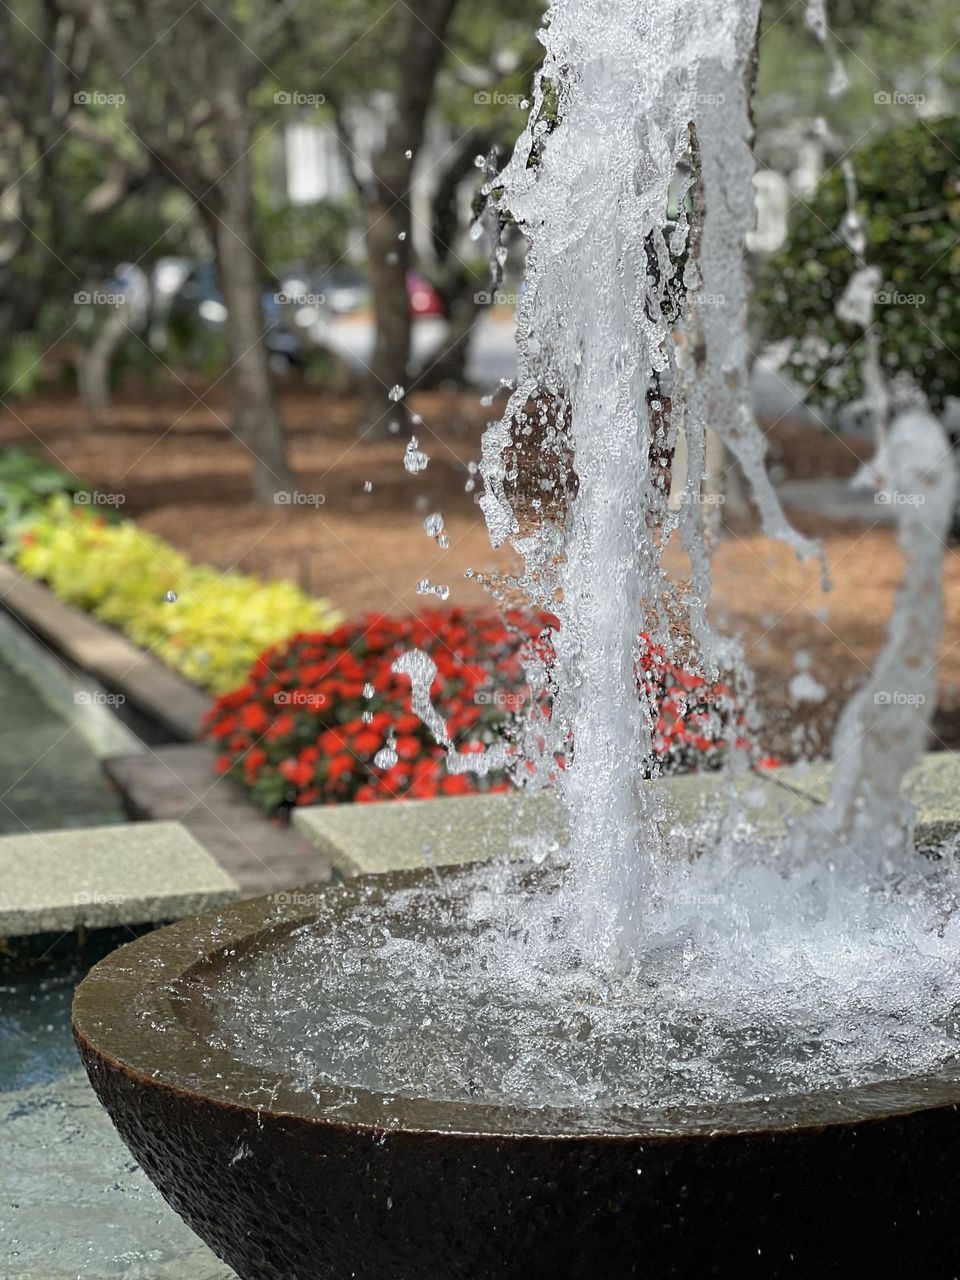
(909, 196)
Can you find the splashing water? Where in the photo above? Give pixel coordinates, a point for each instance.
(652, 114)
(632, 184)
(661, 962)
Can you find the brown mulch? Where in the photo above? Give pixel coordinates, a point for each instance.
(184, 477)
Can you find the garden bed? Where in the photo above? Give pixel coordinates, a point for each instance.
(183, 478)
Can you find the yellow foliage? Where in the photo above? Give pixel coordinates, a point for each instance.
(210, 626)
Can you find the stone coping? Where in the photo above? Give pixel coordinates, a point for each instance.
(149, 684)
(407, 834)
(97, 877)
(933, 786)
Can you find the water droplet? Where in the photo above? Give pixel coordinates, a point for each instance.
(408, 153)
(479, 161)
(368, 690)
(396, 393)
(414, 459)
(368, 486)
(402, 235)
(427, 588)
(433, 525)
(385, 758)
(171, 597)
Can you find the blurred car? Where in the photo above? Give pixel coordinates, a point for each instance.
(345, 289)
(199, 297)
(424, 299)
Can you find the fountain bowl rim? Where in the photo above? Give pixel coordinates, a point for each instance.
(131, 1013)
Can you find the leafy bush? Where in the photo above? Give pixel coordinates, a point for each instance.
(307, 724)
(27, 484)
(909, 198)
(205, 624)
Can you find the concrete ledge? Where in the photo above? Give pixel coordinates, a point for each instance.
(97, 877)
(406, 834)
(147, 682)
(933, 787)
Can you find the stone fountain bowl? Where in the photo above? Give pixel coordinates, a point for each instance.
(284, 1184)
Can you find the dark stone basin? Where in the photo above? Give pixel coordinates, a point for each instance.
(288, 1185)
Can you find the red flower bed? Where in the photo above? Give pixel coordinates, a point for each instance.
(315, 712)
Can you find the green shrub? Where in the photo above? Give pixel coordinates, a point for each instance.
(27, 484)
(909, 198)
(210, 626)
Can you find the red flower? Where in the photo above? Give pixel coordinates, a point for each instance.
(314, 711)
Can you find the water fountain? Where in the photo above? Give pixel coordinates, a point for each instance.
(672, 1049)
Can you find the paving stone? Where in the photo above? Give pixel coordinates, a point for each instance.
(178, 782)
(97, 877)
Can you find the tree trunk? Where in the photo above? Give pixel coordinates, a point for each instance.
(446, 365)
(94, 364)
(388, 257)
(388, 214)
(254, 413)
